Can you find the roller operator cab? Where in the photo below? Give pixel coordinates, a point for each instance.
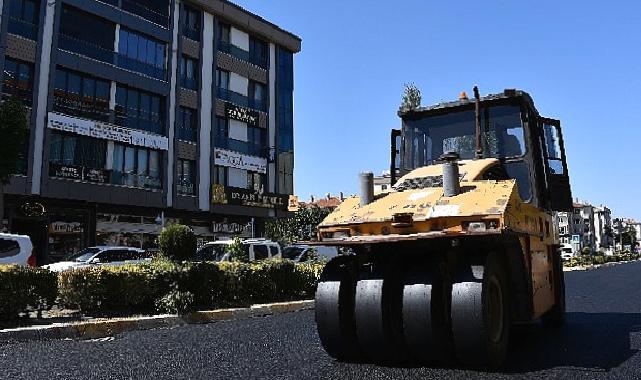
(460, 248)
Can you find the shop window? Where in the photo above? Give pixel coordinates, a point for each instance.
(79, 151)
(81, 95)
(139, 110)
(136, 167)
(186, 176)
(18, 80)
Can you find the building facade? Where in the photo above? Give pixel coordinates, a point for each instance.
(586, 226)
(144, 113)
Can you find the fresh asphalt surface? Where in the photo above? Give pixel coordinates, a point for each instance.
(602, 339)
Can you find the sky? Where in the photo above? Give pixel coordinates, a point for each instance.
(580, 61)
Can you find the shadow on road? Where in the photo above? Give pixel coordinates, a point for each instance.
(588, 340)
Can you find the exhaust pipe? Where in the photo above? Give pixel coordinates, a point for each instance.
(451, 184)
(367, 188)
(477, 118)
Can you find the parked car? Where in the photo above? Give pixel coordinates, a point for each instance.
(301, 253)
(256, 250)
(101, 255)
(16, 250)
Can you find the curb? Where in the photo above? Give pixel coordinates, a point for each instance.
(102, 328)
(596, 266)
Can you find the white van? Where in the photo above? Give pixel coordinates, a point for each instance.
(16, 250)
(256, 249)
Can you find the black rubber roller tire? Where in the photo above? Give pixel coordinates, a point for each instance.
(426, 322)
(378, 314)
(334, 309)
(481, 314)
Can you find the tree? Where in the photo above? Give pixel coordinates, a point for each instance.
(411, 97)
(177, 242)
(237, 251)
(13, 134)
(303, 225)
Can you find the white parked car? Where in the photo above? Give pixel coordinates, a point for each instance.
(301, 253)
(101, 255)
(566, 251)
(256, 249)
(16, 250)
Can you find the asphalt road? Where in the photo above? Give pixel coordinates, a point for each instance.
(601, 340)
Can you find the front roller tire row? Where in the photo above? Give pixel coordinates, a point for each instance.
(384, 313)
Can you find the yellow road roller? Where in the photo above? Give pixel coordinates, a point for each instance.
(459, 248)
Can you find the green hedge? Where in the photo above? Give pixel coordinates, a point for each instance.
(169, 287)
(587, 260)
(23, 289)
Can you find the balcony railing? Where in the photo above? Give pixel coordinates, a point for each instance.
(190, 83)
(135, 180)
(186, 134)
(146, 13)
(241, 146)
(86, 48)
(22, 94)
(23, 28)
(134, 122)
(191, 33)
(235, 51)
(241, 100)
(80, 108)
(141, 67)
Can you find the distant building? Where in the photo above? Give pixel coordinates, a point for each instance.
(603, 227)
(329, 201)
(586, 226)
(382, 182)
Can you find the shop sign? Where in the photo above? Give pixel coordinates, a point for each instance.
(242, 114)
(106, 131)
(32, 209)
(79, 173)
(231, 228)
(246, 197)
(236, 160)
(65, 228)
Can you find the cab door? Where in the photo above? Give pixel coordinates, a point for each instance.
(556, 168)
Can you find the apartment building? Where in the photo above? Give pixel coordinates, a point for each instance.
(144, 113)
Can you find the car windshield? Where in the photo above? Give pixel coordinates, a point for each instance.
(213, 252)
(83, 255)
(429, 137)
(292, 252)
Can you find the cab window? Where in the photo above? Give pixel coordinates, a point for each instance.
(260, 252)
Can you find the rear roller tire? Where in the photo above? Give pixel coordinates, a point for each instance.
(378, 314)
(334, 309)
(481, 313)
(426, 321)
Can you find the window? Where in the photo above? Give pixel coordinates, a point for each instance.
(257, 142)
(156, 11)
(142, 54)
(72, 150)
(187, 125)
(86, 34)
(220, 175)
(18, 80)
(222, 79)
(136, 167)
(285, 120)
(553, 151)
(223, 33)
(9, 248)
(23, 18)
(260, 252)
(139, 110)
(189, 73)
(186, 176)
(258, 52)
(191, 28)
(257, 96)
(256, 181)
(81, 95)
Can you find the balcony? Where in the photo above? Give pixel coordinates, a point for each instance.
(241, 147)
(186, 134)
(135, 180)
(23, 94)
(146, 13)
(86, 48)
(23, 28)
(243, 55)
(141, 67)
(79, 108)
(241, 100)
(191, 33)
(135, 122)
(189, 83)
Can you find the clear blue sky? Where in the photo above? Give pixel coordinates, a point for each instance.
(581, 62)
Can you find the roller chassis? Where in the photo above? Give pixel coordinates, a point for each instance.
(448, 299)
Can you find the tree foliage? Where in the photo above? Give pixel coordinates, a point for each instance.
(13, 134)
(177, 242)
(302, 226)
(237, 251)
(411, 97)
